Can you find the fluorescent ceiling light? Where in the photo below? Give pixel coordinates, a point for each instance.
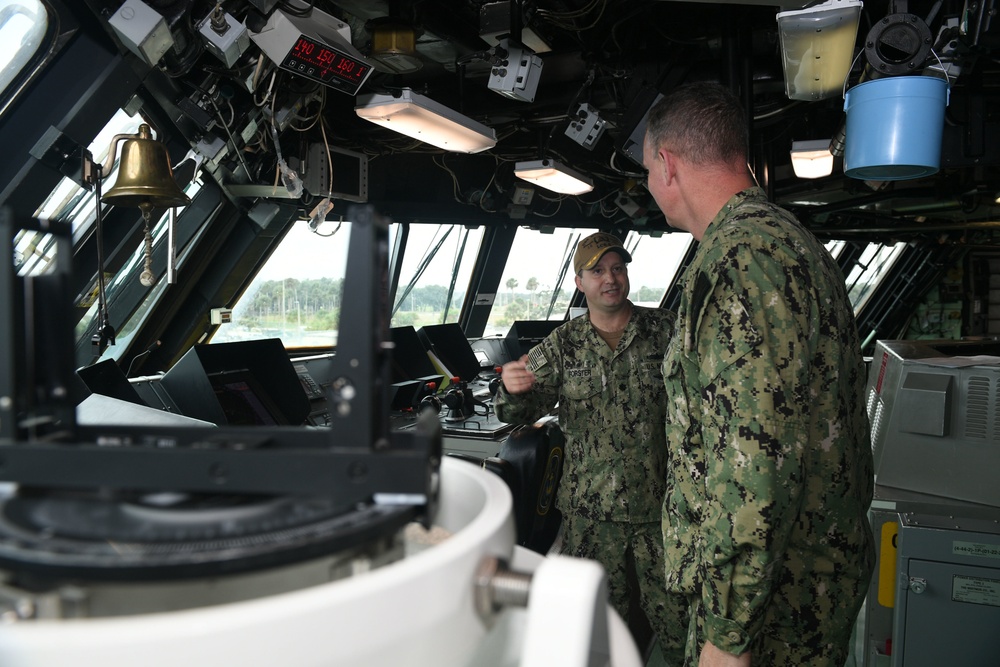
(553, 176)
(422, 118)
(817, 48)
(812, 159)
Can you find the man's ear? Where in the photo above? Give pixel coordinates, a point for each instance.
(579, 283)
(668, 163)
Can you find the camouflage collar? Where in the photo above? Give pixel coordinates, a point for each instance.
(752, 194)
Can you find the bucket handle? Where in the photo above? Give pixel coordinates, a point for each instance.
(947, 79)
(843, 91)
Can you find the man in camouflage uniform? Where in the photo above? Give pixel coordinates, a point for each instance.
(604, 371)
(770, 476)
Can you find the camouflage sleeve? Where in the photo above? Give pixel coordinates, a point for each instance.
(544, 361)
(747, 334)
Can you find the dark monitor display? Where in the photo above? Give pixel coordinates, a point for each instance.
(264, 365)
(243, 400)
(350, 173)
(525, 334)
(449, 344)
(108, 379)
(409, 356)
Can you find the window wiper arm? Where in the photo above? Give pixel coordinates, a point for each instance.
(424, 263)
(454, 277)
(567, 258)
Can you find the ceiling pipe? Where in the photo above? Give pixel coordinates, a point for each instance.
(915, 193)
(910, 229)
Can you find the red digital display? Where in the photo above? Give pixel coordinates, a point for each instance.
(326, 64)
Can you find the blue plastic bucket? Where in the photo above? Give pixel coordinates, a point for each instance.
(894, 128)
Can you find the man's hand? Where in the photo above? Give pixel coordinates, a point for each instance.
(712, 656)
(516, 377)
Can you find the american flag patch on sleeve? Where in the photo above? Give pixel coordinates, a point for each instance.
(536, 359)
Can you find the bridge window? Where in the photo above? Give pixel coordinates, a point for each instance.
(869, 272)
(70, 201)
(435, 275)
(296, 294)
(537, 282)
(655, 263)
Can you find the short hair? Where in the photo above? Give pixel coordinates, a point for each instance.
(703, 122)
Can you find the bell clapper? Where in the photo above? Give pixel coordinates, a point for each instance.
(146, 277)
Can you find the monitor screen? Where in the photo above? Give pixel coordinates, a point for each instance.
(243, 400)
(409, 356)
(448, 343)
(108, 379)
(350, 173)
(193, 383)
(525, 334)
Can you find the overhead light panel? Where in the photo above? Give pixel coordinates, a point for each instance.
(553, 176)
(812, 159)
(817, 48)
(424, 119)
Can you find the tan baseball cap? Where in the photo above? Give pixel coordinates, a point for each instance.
(590, 250)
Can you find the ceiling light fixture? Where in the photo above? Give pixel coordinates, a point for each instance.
(424, 119)
(553, 176)
(812, 159)
(817, 48)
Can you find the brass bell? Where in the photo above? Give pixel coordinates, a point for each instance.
(145, 178)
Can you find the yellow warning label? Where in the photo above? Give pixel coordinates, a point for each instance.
(887, 564)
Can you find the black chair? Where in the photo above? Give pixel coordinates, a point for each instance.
(530, 462)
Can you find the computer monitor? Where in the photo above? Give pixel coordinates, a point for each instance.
(108, 379)
(264, 368)
(243, 400)
(409, 356)
(349, 176)
(448, 343)
(525, 334)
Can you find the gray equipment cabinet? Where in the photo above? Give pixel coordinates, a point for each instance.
(934, 410)
(935, 597)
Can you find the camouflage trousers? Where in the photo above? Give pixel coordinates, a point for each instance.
(618, 545)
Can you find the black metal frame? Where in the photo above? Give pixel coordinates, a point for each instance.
(355, 461)
(36, 361)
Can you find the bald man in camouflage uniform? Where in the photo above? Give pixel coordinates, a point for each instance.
(765, 523)
(604, 371)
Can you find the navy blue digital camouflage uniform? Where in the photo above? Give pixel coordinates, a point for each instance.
(611, 410)
(770, 476)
